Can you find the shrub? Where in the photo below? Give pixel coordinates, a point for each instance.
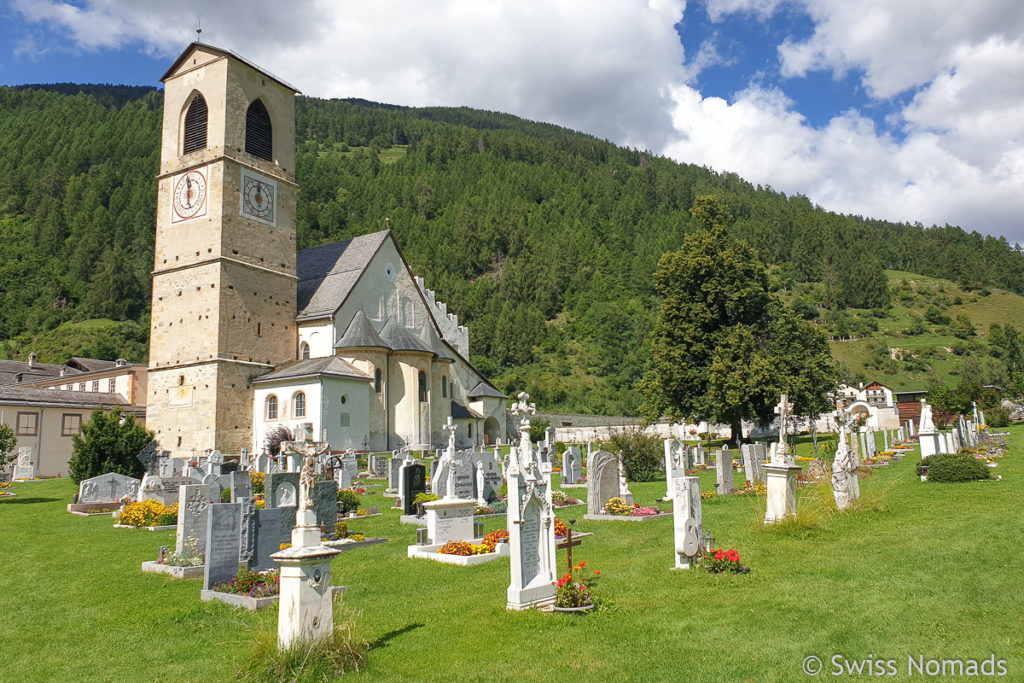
(108, 443)
(348, 501)
(8, 441)
(641, 453)
(257, 480)
(946, 468)
(341, 529)
(148, 513)
(276, 438)
(718, 561)
(225, 495)
(997, 417)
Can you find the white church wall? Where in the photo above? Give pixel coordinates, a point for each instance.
(300, 425)
(386, 289)
(319, 336)
(346, 413)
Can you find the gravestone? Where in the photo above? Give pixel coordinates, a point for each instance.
(449, 520)
(193, 516)
(845, 485)
(393, 466)
(5, 477)
(602, 480)
(571, 463)
(267, 538)
(217, 484)
(673, 451)
(247, 533)
(164, 489)
(723, 468)
(215, 463)
(491, 480)
(414, 481)
(927, 434)
(457, 473)
(244, 463)
(749, 467)
(325, 504)
(379, 466)
(107, 488)
(241, 486)
(433, 471)
(282, 489)
(263, 463)
(687, 520)
(171, 467)
(698, 456)
(149, 456)
(624, 492)
(24, 468)
(223, 541)
(346, 472)
(287, 523)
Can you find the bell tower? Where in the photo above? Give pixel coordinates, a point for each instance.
(224, 277)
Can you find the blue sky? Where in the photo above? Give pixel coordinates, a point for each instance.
(909, 110)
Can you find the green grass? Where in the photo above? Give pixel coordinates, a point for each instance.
(935, 572)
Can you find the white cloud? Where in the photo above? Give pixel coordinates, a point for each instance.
(617, 70)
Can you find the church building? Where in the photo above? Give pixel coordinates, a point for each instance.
(339, 342)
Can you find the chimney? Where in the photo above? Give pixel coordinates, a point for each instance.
(32, 360)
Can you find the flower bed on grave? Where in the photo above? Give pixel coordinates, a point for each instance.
(748, 489)
(344, 539)
(560, 499)
(719, 561)
(186, 564)
(618, 506)
(464, 553)
(247, 589)
(5, 489)
(573, 589)
(465, 549)
(148, 514)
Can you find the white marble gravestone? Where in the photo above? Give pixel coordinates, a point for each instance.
(928, 435)
(449, 520)
(673, 456)
(845, 485)
(531, 521)
(602, 480)
(24, 467)
(723, 468)
(687, 520)
(781, 473)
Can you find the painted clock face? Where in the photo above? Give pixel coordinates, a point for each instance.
(189, 196)
(258, 197)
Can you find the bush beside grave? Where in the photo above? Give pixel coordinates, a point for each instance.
(641, 453)
(108, 443)
(148, 513)
(252, 583)
(348, 501)
(947, 468)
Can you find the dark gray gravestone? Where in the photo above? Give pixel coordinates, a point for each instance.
(267, 538)
(433, 469)
(325, 504)
(379, 466)
(415, 482)
(149, 456)
(248, 529)
(241, 486)
(282, 489)
(223, 534)
(287, 524)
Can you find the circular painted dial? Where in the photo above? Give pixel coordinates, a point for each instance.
(190, 194)
(259, 199)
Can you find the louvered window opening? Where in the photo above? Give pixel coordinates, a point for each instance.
(195, 125)
(258, 132)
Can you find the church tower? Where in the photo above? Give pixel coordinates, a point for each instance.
(224, 278)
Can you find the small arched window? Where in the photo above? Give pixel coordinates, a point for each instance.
(304, 351)
(259, 134)
(376, 380)
(195, 125)
(271, 407)
(423, 387)
(299, 405)
(444, 387)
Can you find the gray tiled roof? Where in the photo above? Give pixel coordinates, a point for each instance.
(439, 347)
(360, 335)
(327, 274)
(57, 397)
(485, 389)
(312, 367)
(400, 339)
(460, 411)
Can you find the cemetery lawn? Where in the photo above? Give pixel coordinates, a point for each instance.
(936, 573)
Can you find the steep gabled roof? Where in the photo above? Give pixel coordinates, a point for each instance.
(224, 53)
(461, 412)
(400, 339)
(314, 367)
(328, 274)
(360, 335)
(91, 364)
(437, 346)
(485, 388)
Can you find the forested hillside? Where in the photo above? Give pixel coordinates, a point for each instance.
(542, 239)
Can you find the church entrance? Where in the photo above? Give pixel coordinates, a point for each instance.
(492, 431)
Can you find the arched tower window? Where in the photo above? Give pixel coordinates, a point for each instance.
(444, 387)
(423, 387)
(299, 405)
(304, 351)
(376, 380)
(195, 125)
(259, 134)
(271, 407)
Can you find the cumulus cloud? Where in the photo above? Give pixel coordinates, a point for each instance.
(951, 151)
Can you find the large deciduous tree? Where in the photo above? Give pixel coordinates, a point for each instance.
(724, 347)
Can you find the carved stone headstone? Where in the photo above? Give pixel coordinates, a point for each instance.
(394, 464)
(414, 481)
(267, 538)
(723, 467)
(241, 486)
(687, 519)
(379, 466)
(107, 488)
(24, 467)
(325, 504)
(193, 516)
(149, 456)
(282, 489)
(223, 540)
(247, 541)
(602, 480)
(571, 466)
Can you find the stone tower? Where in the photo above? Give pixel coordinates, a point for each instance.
(224, 274)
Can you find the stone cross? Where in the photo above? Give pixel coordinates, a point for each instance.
(782, 410)
(149, 456)
(450, 427)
